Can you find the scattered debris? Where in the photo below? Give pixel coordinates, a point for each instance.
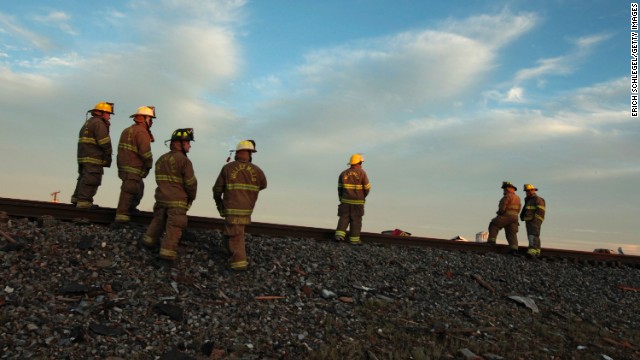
(56, 302)
(8, 237)
(173, 311)
(327, 294)
(176, 355)
(364, 288)
(86, 242)
(526, 301)
(270, 297)
(72, 289)
(483, 283)
(47, 221)
(467, 354)
(627, 288)
(107, 330)
(396, 232)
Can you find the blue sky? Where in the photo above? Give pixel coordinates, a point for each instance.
(445, 100)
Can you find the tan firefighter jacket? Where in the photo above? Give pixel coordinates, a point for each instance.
(94, 143)
(534, 208)
(509, 205)
(353, 186)
(134, 150)
(177, 183)
(236, 188)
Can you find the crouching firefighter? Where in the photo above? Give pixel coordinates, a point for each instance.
(176, 190)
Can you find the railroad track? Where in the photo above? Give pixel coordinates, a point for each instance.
(67, 212)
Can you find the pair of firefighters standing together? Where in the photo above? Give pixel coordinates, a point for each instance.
(507, 217)
(235, 191)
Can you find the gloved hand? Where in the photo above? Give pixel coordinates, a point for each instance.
(107, 161)
(145, 172)
(220, 210)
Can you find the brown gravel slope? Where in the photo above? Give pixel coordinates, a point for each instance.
(82, 291)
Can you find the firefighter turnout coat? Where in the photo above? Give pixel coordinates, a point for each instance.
(134, 150)
(509, 205)
(94, 143)
(534, 209)
(236, 190)
(353, 186)
(177, 183)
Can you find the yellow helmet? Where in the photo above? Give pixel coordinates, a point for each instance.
(247, 145)
(104, 106)
(529, 187)
(146, 111)
(356, 159)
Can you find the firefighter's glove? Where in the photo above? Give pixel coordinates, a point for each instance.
(107, 161)
(220, 210)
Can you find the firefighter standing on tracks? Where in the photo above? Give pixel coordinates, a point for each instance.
(235, 193)
(94, 154)
(508, 210)
(134, 161)
(533, 215)
(353, 188)
(177, 187)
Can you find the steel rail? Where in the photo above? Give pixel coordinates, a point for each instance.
(100, 215)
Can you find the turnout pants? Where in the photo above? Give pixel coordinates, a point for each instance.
(234, 230)
(533, 234)
(171, 220)
(131, 193)
(89, 179)
(510, 225)
(350, 216)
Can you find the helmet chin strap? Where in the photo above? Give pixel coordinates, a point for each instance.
(182, 147)
(148, 122)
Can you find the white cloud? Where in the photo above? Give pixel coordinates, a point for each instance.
(562, 65)
(494, 30)
(204, 57)
(551, 66)
(17, 86)
(392, 90)
(587, 43)
(58, 19)
(269, 85)
(221, 12)
(13, 28)
(515, 94)
(51, 63)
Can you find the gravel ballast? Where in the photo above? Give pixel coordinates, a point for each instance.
(73, 290)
